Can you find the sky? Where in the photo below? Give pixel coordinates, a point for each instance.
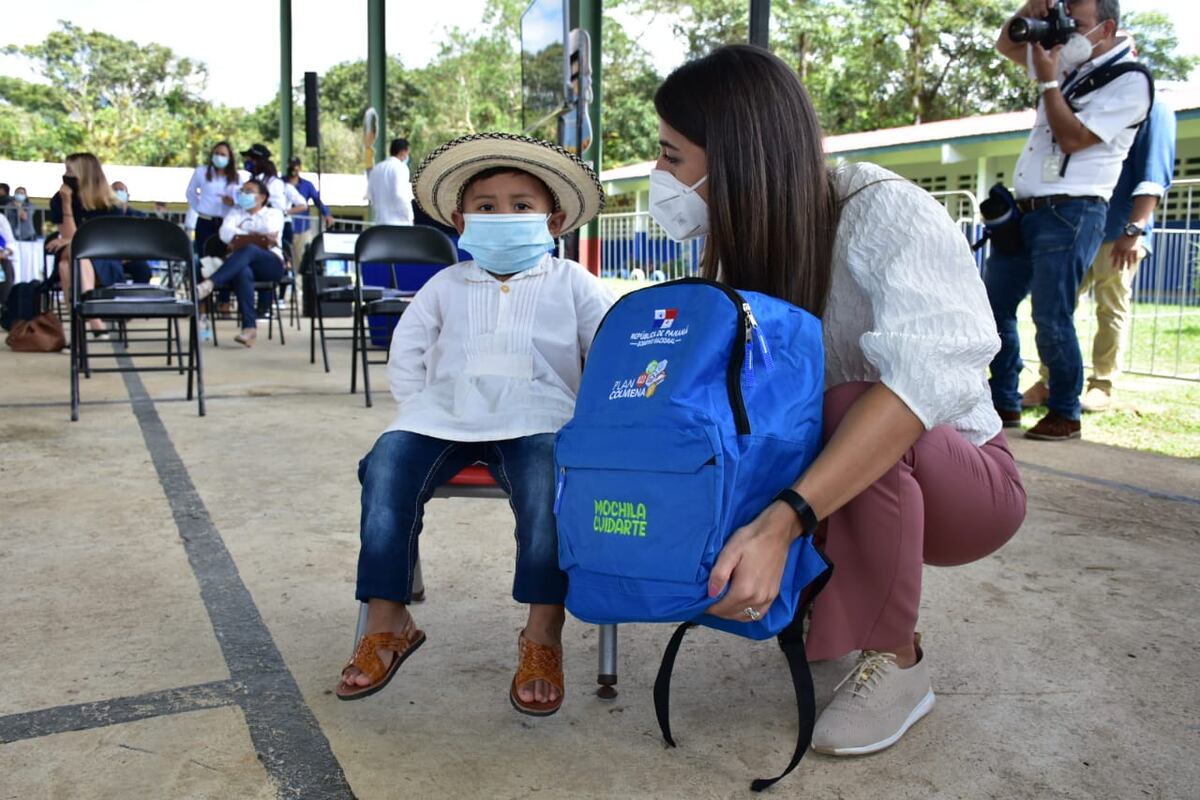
(326, 33)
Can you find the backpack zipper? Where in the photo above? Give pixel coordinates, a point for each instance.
(739, 355)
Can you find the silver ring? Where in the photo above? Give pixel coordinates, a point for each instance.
(752, 614)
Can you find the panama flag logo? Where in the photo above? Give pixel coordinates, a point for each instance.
(664, 317)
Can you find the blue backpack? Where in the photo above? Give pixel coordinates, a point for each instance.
(697, 405)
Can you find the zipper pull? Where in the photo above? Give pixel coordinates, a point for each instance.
(748, 368)
(768, 361)
(558, 492)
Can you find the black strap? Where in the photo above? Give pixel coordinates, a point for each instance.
(791, 641)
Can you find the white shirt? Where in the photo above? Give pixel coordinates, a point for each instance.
(205, 197)
(1107, 112)
(293, 198)
(907, 306)
(13, 247)
(474, 359)
(267, 220)
(389, 191)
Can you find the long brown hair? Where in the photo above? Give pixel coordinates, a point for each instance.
(94, 190)
(772, 208)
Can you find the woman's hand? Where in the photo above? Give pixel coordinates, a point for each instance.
(752, 563)
(227, 200)
(65, 192)
(55, 245)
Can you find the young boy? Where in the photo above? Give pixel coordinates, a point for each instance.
(484, 366)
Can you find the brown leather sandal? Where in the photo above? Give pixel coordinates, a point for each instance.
(366, 659)
(537, 662)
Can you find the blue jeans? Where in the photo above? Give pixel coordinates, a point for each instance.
(1060, 242)
(251, 263)
(400, 474)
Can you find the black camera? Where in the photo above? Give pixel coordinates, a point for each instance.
(1053, 29)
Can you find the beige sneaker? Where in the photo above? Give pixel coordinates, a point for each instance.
(1096, 400)
(1035, 395)
(873, 706)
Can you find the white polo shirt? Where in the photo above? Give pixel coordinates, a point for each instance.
(389, 191)
(475, 359)
(1109, 112)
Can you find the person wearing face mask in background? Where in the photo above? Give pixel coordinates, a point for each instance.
(136, 270)
(23, 221)
(1064, 179)
(484, 365)
(85, 194)
(389, 190)
(253, 232)
(210, 192)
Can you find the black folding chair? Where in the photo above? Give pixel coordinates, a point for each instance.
(329, 290)
(404, 244)
(123, 238)
(214, 247)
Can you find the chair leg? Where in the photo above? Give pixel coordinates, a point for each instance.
(418, 587)
(83, 350)
(607, 677)
(354, 353)
(170, 342)
(362, 351)
(360, 626)
(74, 368)
(191, 356)
(277, 314)
(321, 326)
(198, 363)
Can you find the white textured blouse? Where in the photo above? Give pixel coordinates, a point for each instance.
(206, 197)
(907, 307)
(475, 359)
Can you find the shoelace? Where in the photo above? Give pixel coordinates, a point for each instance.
(867, 672)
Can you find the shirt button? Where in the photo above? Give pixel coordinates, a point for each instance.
(504, 288)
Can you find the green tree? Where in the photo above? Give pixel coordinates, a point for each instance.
(630, 125)
(1158, 45)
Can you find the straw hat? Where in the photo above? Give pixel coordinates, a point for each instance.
(439, 181)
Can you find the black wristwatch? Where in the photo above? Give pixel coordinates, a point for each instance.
(808, 518)
(1133, 229)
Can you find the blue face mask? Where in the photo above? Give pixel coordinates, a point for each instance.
(245, 201)
(220, 162)
(506, 243)
(122, 195)
(20, 198)
(249, 165)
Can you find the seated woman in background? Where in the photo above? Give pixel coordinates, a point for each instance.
(252, 231)
(84, 194)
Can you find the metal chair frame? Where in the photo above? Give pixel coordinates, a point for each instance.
(132, 238)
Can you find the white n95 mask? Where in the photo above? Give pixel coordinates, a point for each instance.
(1078, 49)
(675, 206)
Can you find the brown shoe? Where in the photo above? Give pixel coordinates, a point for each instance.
(1035, 395)
(1054, 427)
(1009, 419)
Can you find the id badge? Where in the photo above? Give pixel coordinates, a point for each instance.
(1052, 168)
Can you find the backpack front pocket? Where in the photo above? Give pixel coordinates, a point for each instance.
(638, 502)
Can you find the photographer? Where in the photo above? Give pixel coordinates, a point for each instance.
(1091, 105)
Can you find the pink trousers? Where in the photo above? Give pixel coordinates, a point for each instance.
(945, 503)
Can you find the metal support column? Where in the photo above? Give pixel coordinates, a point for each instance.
(591, 13)
(377, 73)
(760, 23)
(285, 82)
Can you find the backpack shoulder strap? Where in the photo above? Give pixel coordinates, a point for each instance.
(791, 641)
(1106, 75)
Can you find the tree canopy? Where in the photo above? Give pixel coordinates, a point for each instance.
(867, 64)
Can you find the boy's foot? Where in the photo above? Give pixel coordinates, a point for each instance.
(376, 660)
(537, 688)
(247, 337)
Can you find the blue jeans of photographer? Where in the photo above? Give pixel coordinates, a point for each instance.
(399, 476)
(1060, 242)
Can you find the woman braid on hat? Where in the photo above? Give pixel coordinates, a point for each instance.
(485, 364)
(914, 469)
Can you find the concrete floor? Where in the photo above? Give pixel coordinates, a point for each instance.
(176, 601)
